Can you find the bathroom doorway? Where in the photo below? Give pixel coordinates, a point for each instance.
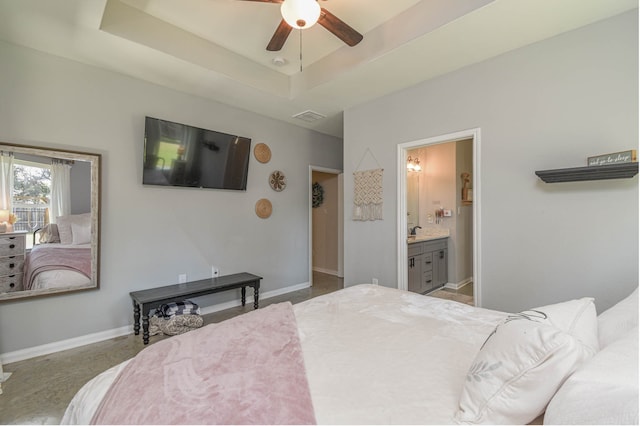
(326, 267)
(438, 192)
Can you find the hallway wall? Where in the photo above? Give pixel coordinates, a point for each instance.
(325, 225)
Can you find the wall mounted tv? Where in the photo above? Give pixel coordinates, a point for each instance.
(180, 155)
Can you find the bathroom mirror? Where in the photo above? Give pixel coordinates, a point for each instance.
(49, 221)
(413, 199)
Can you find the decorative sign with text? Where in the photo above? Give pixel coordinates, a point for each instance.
(613, 158)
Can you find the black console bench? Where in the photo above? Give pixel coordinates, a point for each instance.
(154, 297)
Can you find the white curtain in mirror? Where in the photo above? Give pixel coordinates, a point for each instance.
(60, 189)
(6, 176)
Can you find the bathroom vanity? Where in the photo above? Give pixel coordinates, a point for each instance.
(427, 263)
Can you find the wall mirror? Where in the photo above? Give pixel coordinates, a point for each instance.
(49, 221)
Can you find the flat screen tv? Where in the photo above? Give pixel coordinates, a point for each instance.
(180, 155)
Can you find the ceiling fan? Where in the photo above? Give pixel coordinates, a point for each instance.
(304, 14)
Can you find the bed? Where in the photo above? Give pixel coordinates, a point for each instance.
(61, 255)
(374, 355)
(54, 265)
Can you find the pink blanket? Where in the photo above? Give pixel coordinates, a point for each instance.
(43, 258)
(246, 370)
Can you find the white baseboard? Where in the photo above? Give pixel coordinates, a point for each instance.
(326, 271)
(458, 286)
(232, 304)
(63, 345)
(88, 339)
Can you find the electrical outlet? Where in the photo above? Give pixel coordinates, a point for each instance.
(374, 281)
(182, 278)
(215, 272)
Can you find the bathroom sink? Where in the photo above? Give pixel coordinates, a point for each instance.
(429, 234)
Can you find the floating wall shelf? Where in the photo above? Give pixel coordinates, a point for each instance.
(575, 174)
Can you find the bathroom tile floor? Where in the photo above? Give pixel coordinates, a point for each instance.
(40, 388)
(462, 295)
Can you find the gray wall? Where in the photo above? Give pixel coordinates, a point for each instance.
(152, 234)
(548, 105)
(80, 187)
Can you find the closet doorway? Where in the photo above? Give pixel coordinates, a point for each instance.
(326, 215)
(445, 160)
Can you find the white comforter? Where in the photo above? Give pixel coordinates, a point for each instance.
(373, 355)
(376, 355)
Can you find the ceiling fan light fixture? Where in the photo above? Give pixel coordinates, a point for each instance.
(300, 14)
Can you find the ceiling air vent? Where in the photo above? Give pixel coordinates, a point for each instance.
(309, 116)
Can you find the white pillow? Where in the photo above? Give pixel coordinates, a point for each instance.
(81, 234)
(604, 390)
(615, 322)
(525, 360)
(64, 225)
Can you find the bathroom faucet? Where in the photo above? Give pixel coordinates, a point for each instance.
(412, 231)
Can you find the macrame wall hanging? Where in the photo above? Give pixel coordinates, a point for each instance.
(367, 192)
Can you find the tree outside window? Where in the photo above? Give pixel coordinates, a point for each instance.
(31, 196)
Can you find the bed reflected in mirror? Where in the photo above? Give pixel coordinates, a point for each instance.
(49, 221)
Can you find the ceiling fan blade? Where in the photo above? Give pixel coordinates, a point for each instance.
(279, 37)
(338, 28)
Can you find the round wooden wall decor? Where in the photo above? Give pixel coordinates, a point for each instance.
(277, 181)
(262, 153)
(263, 208)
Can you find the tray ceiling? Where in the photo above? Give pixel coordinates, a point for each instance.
(216, 48)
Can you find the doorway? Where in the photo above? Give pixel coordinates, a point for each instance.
(461, 201)
(326, 266)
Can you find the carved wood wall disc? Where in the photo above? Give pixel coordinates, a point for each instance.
(262, 153)
(263, 208)
(277, 181)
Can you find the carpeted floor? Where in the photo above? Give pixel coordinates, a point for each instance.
(40, 388)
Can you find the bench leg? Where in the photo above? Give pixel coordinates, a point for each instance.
(136, 318)
(256, 291)
(244, 295)
(145, 328)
